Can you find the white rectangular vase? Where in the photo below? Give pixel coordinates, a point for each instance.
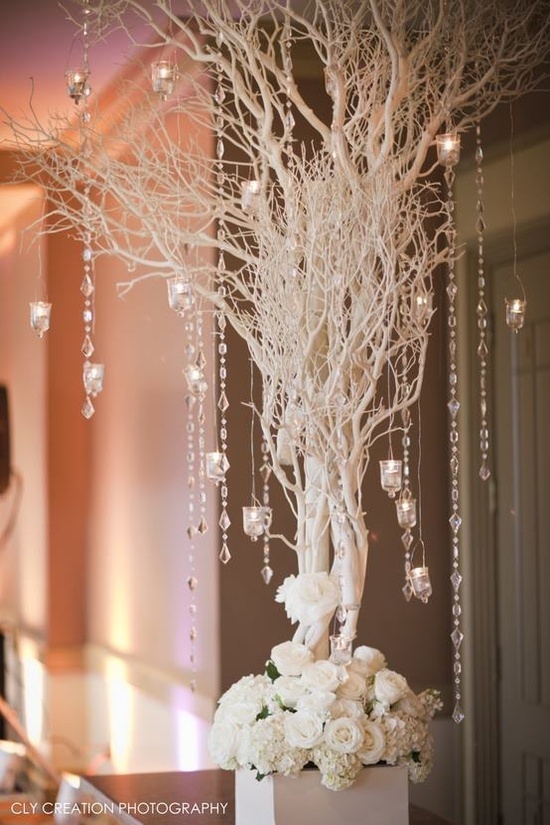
(379, 796)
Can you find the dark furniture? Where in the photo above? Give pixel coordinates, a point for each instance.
(195, 787)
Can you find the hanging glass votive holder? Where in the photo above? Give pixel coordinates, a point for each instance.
(448, 148)
(40, 314)
(180, 295)
(422, 307)
(216, 466)
(391, 472)
(93, 375)
(163, 77)
(250, 196)
(406, 513)
(196, 381)
(256, 520)
(515, 313)
(419, 579)
(340, 650)
(77, 84)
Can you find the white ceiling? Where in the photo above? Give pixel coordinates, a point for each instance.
(37, 40)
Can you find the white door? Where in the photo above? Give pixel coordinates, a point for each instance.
(522, 472)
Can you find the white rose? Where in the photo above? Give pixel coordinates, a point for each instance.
(354, 686)
(411, 704)
(321, 675)
(309, 597)
(367, 660)
(374, 743)
(343, 735)
(223, 743)
(290, 658)
(389, 687)
(289, 689)
(318, 702)
(303, 729)
(346, 707)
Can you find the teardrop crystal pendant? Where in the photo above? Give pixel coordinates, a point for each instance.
(515, 313)
(40, 315)
(88, 408)
(391, 476)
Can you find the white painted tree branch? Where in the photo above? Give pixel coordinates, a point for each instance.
(346, 232)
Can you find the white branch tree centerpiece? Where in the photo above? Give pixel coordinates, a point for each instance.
(326, 248)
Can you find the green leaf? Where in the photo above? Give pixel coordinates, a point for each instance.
(263, 714)
(271, 670)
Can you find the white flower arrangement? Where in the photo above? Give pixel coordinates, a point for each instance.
(304, 713)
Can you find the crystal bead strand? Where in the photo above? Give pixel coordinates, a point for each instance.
(265, 472)
(223, 402)
(192, 581)
(453, 405)
(202, 525)
(482, 314)
(407, 537)
(92, 373)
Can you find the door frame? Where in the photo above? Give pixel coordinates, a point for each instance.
(481, 757)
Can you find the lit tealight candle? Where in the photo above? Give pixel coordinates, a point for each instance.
(515, 313)
(40, 317)
(448, 148)
(163, 76)
(77, 83)
(391, 476)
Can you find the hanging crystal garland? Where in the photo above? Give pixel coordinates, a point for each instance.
(482, 314)
(406, 504)
(256, 517)
(265, 473)
(92, 373)
(217, 462)
(516, 307)
(448, 160)
(191, 464)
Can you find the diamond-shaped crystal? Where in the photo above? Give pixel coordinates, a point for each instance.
(87, 408)
(203, 526)
(265, 472)
(456, 579)
(223, 403)
(479, 155)
(289, 120)
(482, 349)
(407, 592)
(87, 347)
(454, 407)
(225, 555)
(458, 713)
(407, 539)
(192, 583)
(191, 531)
(480, 225)
(484, 472)
(451, 291)
(267, 573)
(225, 521)
(87, 286)
(193, 634)
(456, 637)
(455, 521)
(219, 95)
(220, 149)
